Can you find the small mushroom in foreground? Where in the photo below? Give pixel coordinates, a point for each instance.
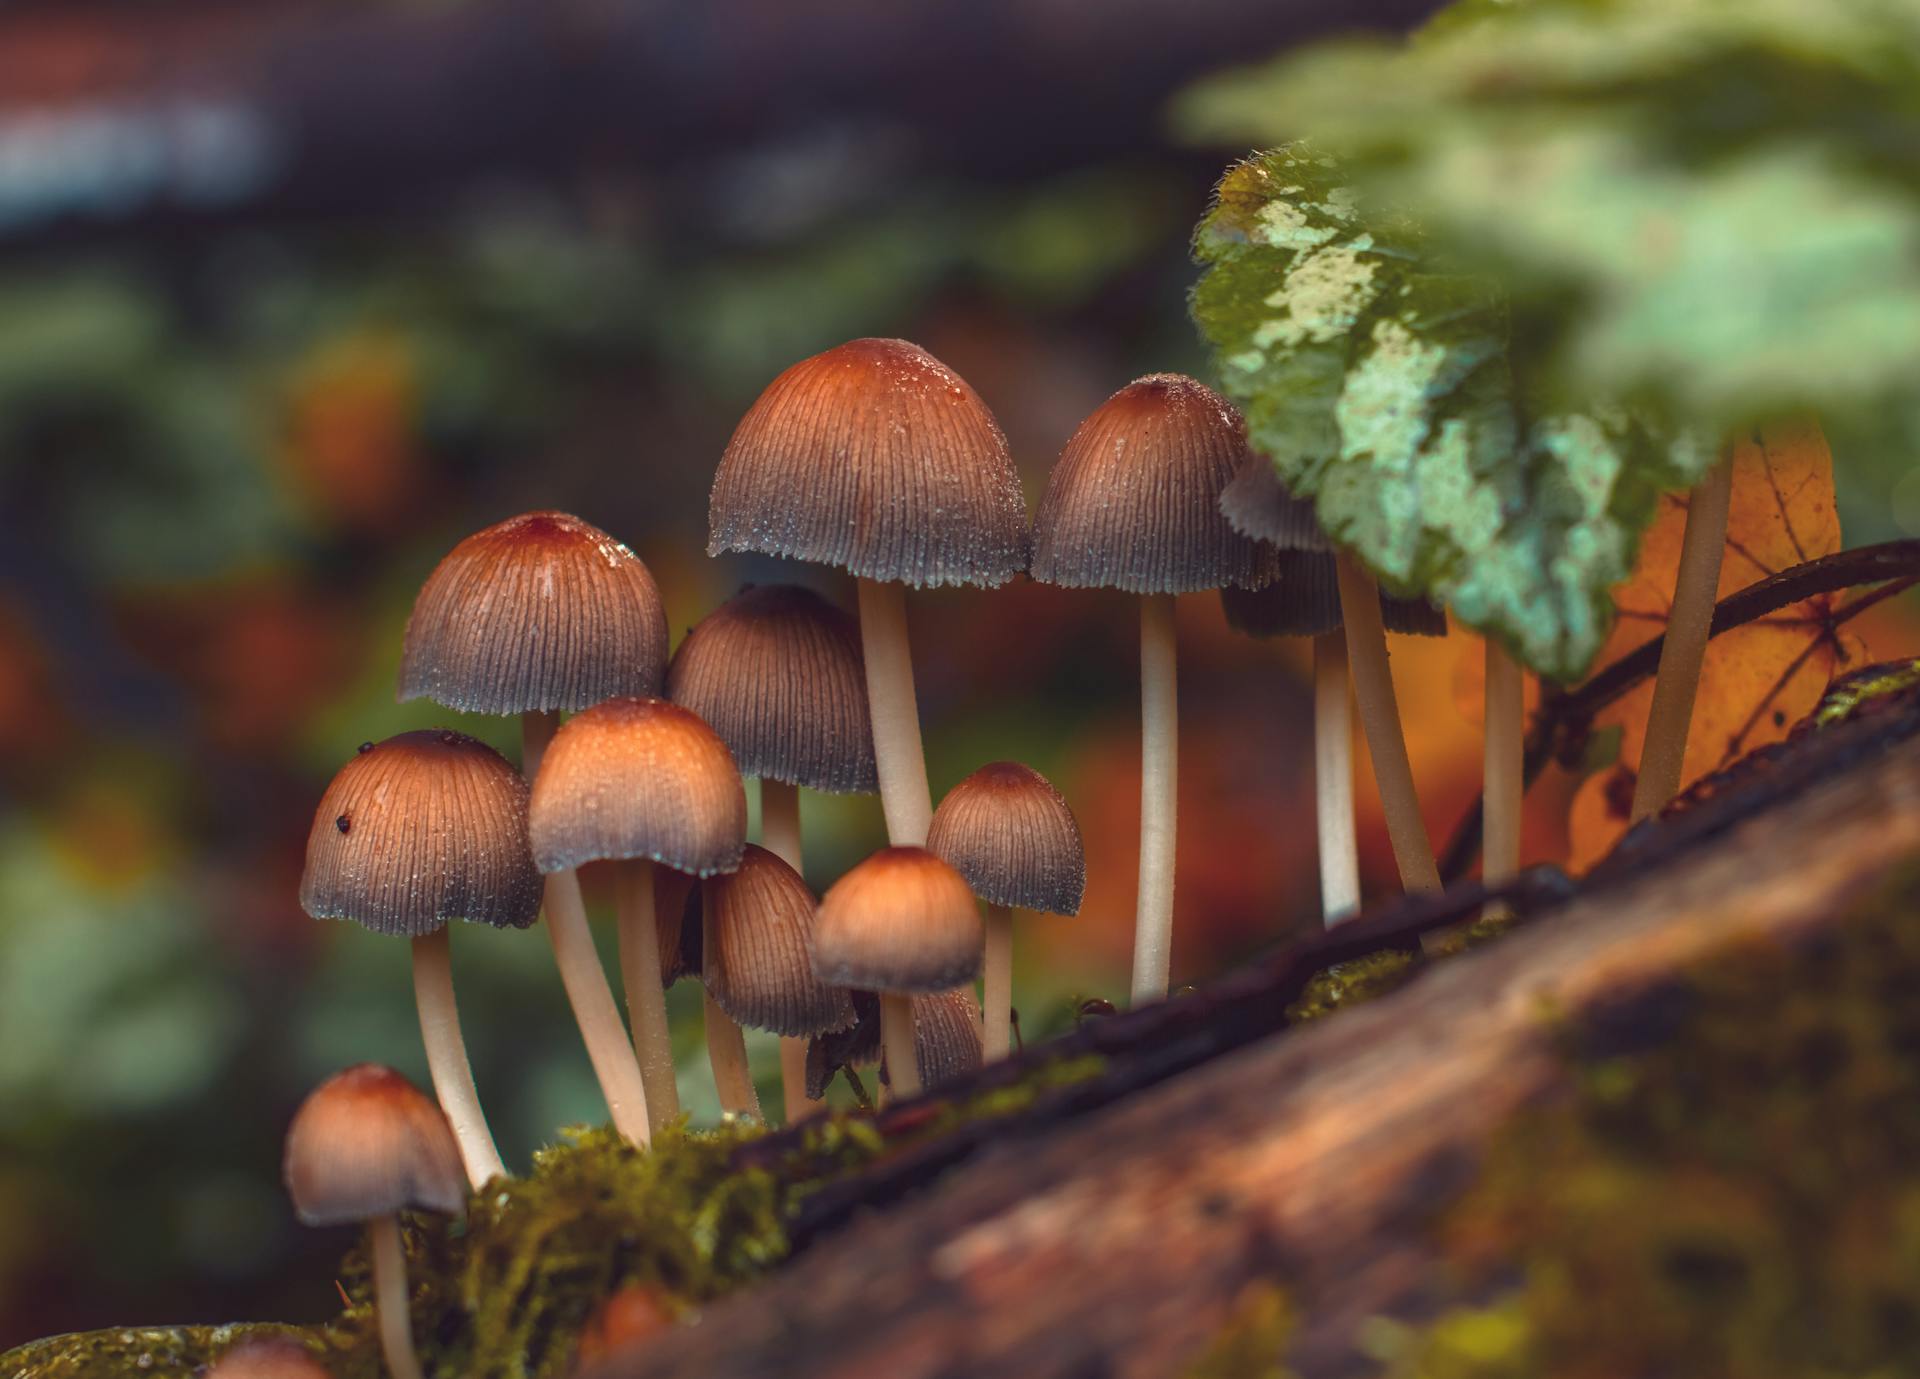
(1013, 837)
(365, 1146)
(414, 832)
(639, 782)
(628, 1319)
(903, 923)
(759, 968)
(946, 1036)
(268, 1357)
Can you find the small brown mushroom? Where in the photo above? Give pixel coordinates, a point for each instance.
(364, 1147)
(268, 1357)
(623, 1322)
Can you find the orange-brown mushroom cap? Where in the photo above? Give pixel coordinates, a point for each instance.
(776, 671)
(1013, 837)
(541, 611)
(367, 1143)
(268, 1357)
(1133, 502)
(420, 829)
(638, 778)
(877, 458)
(901, 921)
(759, 965)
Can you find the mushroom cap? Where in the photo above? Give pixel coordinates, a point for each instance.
(268, 1357)
(759, 965)
(368, 1143)
(1304, 601)
(1412, 617)
(879, 459)
(541, 611)
(1258, 505)
(1133, 502)
(777, 671)
(946, 1035)
(676, 915)
(903, 920)
(420, 829)
(638, 778)
(1012, 836)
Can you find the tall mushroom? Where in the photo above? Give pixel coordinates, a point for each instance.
(413, 832)
(535, 615)
(1133, 503)
(759, 967)
(639, 782)
(879, 459)
(1013, 837)
(365, 1146)
(776, 670)
(902, 923)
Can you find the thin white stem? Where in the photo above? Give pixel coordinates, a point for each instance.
(1333, 778)
(1664, 752)
(780, 821)
(793, 1079)
(897, 755)
(1380, 718)
(447, 1057)
(646, 998)
(996, 1004)
(896, 1037)
(390, 1297)
(593, 1008)
(1502, 783)
(1159, 777)
(726, 1042)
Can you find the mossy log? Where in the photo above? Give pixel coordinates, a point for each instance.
(1121, 1240)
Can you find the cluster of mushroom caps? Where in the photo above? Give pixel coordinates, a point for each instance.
(877, 459)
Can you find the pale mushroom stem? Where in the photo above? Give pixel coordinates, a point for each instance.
(780, 835)
(447, 1057)
(612, 1057)
(996, 1004)
(1333, 778)
(726, 1042)
(593, 1009)
(1380, 718)
(646, 997)
(1688, 623)
(1503, 783)
(1159, 771)
(390, 1297)
(897, 754)
(896, 1037)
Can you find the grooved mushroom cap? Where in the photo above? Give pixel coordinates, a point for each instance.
(368, 1143)
(946, 1036)
(1133, 502)
(777, 671)
(638, 778)
(676, 915)
(542, 611)
(420, 829)
(1257, 504)
(1304, 601)
(903, 920)
(879, 459)
(268, 1357)
(759, 964)
(1012, 836)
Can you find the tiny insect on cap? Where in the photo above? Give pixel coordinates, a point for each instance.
(877, 458)
(540, 612)
(638, 778)
(776, 670)
(421, 829)
(367, 1143)
(268, 1357)
(1133, 502)
(1257, 504)
(902, 921)
(759, 966)
(1013, 837)
(946, 1036)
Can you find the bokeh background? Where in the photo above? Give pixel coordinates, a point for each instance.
(294, 295)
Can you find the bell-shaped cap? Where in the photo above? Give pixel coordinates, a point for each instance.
(1133, 502)
(1304, 601)
(1012, 836)
(902, 921)
(268, 1357)
(420, 829)
(676, 917)
(542, 611)
(776, 671)
(638, 778)
(1258, 505)
(879, 459)
(946, 1035)
(759, 964)
(367, 1143)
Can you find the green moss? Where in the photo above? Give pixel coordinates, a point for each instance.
(1853, 695)
(147, 1350)
(1348, 983)
(1253, 1342)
